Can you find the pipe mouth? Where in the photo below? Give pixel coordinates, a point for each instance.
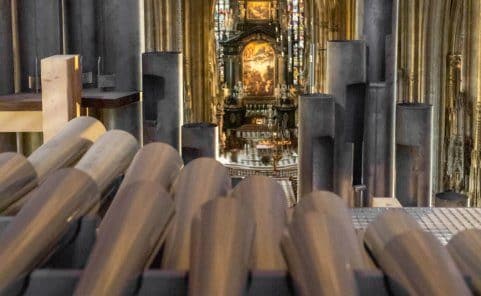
(317, 95)
(156, 53)
(199, 125)
(415, 105)
(345, 41)
(451, 196)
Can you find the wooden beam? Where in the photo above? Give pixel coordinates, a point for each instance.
(61, 92)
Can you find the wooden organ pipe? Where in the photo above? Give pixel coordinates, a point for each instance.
(464, 249)
(109, 157)
(201, 180)
(155, 162)
(266, 199)
(222, 237)
(34, 233)
(67, 146)
(334, 207)
(317, 250)
(130, 234)
(17, 177)
(414, 260)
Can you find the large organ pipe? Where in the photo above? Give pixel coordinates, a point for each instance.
(66, 147)
(318, 250)
(464, 248)
(335, 208)
(129, 235)
(109, 157)
(155, 162)
(17, 177)
(33, 234)
(414, 260)
(266, 199)
(221, 247)
(201, 180)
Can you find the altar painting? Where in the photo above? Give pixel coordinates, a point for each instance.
(258, 67)
(258, 10)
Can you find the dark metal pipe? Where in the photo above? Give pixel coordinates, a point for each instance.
(40, 32)
(413, 154)
(199, 140)
(119, 42)
(346, 64)
(376, 26)
(7, 85)
(316, 143)
(378, 172)
(162, 97)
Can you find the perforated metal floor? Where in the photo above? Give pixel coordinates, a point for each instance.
(442, 222)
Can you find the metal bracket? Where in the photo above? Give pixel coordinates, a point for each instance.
(34, 83)
(87, 78)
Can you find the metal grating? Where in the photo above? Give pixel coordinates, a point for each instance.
(442, 222)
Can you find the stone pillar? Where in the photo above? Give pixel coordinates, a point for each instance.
(162, 97)
(377, 175)
(346, 64)
(316, 143)
(199, 140)
(413, 154)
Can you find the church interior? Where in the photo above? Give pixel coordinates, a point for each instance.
(240, 147)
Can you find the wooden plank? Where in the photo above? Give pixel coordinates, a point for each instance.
(17, 177)
(61, 92)
(109, 157)
(465, 248)
(21, 121)
(21, 102)
(131, 231)
(67, 146)
(93, 98)
(201, 180)
(266, 199)
(33, 234)
(222, 239)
